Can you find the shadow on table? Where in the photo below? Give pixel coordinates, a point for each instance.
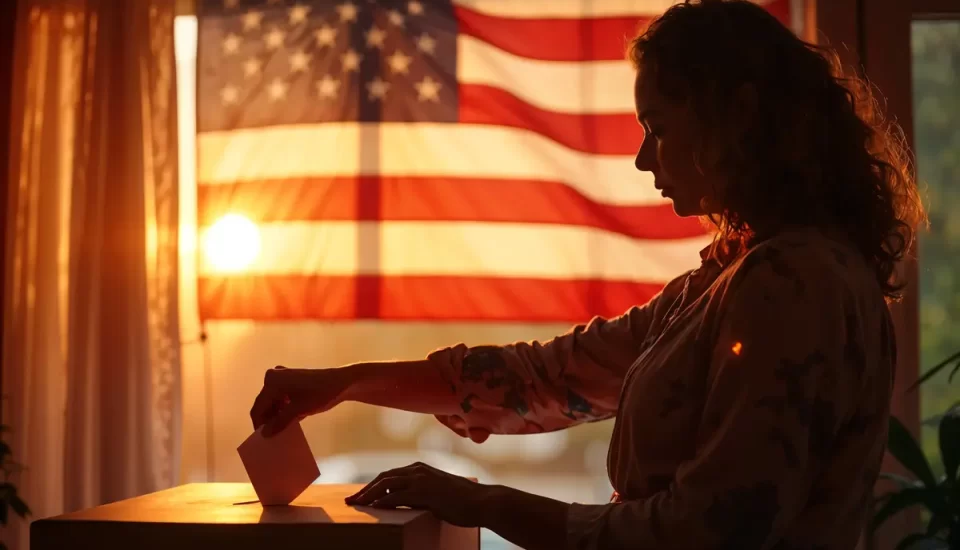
(294, 514)
(316, 514)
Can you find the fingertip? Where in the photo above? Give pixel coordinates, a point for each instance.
(269, 430)
(478, 436)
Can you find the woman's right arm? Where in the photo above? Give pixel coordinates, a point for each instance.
(525, 387)
(534, 387)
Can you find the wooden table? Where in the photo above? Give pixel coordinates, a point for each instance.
(228, 515)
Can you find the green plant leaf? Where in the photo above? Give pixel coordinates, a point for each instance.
(934, 421)
(905, 449)
(937, 368)
(938, 522)
(903, 499)
(908, 541)
(950, 443)
(902, 481)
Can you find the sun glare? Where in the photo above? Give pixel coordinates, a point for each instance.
(232, 243)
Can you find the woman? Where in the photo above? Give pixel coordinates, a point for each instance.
(751, 396)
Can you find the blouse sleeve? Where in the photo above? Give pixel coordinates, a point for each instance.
(775, 393)
(532, 387)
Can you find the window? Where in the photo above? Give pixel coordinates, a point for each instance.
(936, 87)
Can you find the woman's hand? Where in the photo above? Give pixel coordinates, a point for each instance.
(293, 394)
(453, 499)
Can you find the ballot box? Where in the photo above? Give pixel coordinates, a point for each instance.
(203, 516)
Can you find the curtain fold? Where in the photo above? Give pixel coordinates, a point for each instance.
(91, 355)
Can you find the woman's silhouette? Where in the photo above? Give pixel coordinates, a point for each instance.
(751, 396)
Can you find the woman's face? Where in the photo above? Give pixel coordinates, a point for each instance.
(667, 150)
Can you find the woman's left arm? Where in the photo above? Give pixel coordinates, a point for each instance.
(530, 521)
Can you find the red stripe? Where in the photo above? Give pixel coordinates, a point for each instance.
(602, 134)
(296, 297)
(436, 199)
(586, 39)
(781, 10)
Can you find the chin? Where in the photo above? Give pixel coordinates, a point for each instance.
(680, 208)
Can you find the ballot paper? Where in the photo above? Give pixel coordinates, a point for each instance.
(279, 467)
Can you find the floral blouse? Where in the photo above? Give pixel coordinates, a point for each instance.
(751, 399)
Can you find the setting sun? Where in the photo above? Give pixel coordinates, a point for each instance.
(232, 243)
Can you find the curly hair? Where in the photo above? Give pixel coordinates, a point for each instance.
(818, 151)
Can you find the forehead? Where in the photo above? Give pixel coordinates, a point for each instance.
(646, 96)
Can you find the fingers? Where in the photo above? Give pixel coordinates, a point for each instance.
(459, 426)
(380, 476)
(378, 489)
(399, 498)
(479, 435)
(269, 401)
(265, 406)
(286, 414)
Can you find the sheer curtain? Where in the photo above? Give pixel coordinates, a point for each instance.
(91, 366)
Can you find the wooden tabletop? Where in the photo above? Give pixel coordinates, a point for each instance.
(228, 515)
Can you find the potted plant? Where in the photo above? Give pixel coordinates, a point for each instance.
(9, 499)
(940, 498)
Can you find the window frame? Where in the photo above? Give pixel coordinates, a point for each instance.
(875, 38)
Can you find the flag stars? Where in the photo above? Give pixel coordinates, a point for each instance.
(327, 87)
(426, 44)
(347, 11)
(229, 95)
(251, 67)
(326, 36)
(351, 60)
(298, 14)
(395, 18)
(231, 43)
(375, 37)
(399, 63)
(252, 20)
(415, 8)
(377, 88)
(299, 61)
(275, 39)
(277, 90)
(428, 89)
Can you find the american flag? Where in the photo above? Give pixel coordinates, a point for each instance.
(430, 160)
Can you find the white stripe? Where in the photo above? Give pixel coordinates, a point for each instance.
(567, 86)
(571, 8)
(567, 8)
(465, 248)
(332, 149)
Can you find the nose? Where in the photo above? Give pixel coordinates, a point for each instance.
(646, 160)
